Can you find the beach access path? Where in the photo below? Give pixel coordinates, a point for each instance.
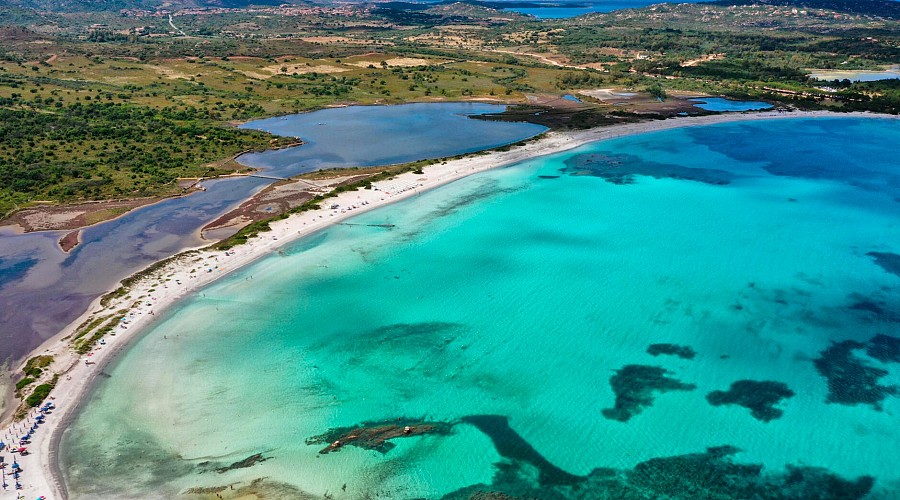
(192, 270)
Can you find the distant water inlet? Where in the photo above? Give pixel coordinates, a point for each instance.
(707, 312)
(379, 135)
(892, 73)
(729, 105)
(43, 289)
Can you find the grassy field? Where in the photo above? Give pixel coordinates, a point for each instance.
(179, 112)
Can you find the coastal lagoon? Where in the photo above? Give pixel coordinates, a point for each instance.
(558, 9)
(729, 105)
(892, 73)
(42, 289)
(694, 312)
(382, 135)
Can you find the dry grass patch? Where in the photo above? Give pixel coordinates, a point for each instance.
(300, 69)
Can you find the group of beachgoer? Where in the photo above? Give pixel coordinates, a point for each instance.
(25, 429)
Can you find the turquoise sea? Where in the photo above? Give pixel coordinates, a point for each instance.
(708, 312)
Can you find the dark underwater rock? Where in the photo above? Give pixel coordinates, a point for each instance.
(635, 387)
(511, 445)
(884, 348)
(707, 475)
(243, 464)
(760, 397)
(682, 351)
(851, 380)
(622, 169)
(377, 435)
(888, 261)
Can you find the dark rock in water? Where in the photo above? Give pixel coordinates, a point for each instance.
(622, 169)
(759, 397)
(548, 177)
(682, 351)
(850, 379)
(884, 348)
(377, 435)
(888, 261)
(243, 464)
(879, 310)
(708, 475)
(635, 387)
(511, 445)
(714, 475)
(206, 490)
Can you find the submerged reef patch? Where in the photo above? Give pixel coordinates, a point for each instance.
(851, 380)
(377, 435)
(397, 337)
(240, 464)
(888, 261)
(635, 387)
(875, 308)
(415, 333)
(511, 445)
(622, 169)
(262, 487)
(682, 351)
(710, 474)
(884, 348)
(760, 397)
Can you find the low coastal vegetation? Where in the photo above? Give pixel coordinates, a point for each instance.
(41, 392)
(36, 370)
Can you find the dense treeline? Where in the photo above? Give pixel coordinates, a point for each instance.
(794, 50)
(102, 150)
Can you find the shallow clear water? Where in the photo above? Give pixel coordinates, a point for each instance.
(508, 304)
(42, 289)
(720, 104)
(557, 9)
(858, 76)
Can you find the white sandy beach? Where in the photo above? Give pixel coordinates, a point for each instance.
(188, 273)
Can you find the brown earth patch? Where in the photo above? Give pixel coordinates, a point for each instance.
(60, 217)
(70, 240)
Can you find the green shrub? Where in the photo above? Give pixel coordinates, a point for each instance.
(24, 382)
(40, 393)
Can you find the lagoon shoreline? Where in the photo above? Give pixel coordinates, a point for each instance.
(186, 274)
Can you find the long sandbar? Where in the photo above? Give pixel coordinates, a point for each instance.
(192, 270)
